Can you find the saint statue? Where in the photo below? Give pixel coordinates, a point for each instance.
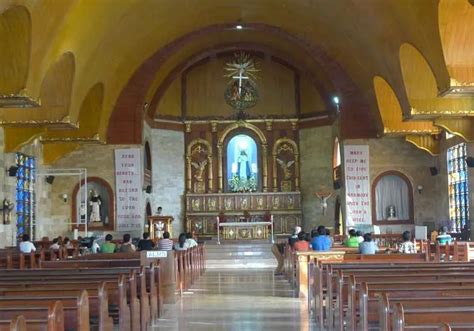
(95, 202)
(243, 165)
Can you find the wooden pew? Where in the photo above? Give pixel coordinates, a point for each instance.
(386, 305)
(368, 309)
(18, 323)
(432, 318)
(51, 290)
(50, 319)
(75, 309)
(325, 278)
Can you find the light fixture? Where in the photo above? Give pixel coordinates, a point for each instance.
(335, 99)
(64, 196)
(420, 188)
(239, 27)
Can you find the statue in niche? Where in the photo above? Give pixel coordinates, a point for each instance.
(243, 165)
(286, 185)
(95, 202)
(286, 168)
(200, 167)
(199, 185)
(7, 207)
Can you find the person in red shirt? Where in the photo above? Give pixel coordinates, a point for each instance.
(301, 244)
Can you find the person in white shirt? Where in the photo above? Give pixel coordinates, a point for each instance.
(26, 246)
(190, 242)
(55, 246)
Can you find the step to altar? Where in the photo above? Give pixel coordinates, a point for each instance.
(239, 255)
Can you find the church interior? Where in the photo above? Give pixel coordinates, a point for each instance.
(242, 120)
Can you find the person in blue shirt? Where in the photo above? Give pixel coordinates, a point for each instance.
(368, 246)
(321, 242)
(444, 237)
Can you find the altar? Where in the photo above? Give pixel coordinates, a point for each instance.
(243, 216)
(242, 171)
(244, 230)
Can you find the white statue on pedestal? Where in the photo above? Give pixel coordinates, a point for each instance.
(95, 202)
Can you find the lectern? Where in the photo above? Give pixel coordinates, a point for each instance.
(157, 225)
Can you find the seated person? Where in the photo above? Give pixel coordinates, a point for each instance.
(181, 244)
(353, 240)
(67, 243)
(321, 242)
(165, 244)
(127, 246)
(146, 243)
(108, 246)
(26, 246)
(190, 240)
(368, 246)
(55, 245)
(443, 236)
(407, 246)
(301, 244)
(294, 237)
(360, 236)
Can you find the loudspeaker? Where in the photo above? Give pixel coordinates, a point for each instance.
(434, 171)
(148, 189)
(49, 179)
(12, 171)
(470, 161)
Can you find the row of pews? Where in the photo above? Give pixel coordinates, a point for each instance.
(123, 291)
(349, 291)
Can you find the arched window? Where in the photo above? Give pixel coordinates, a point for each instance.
(392, 193)
(242, 164)
(147, 165)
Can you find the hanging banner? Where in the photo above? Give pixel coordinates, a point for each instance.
(128, 189)
(357, 184)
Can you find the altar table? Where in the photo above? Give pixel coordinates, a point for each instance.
(250, 225)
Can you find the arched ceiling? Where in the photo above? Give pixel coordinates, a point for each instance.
(132, 46)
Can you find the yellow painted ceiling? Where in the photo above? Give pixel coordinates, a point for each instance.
(109, 40)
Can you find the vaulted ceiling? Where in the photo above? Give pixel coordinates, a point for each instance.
(86, 68)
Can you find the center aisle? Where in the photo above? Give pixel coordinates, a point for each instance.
(251, 299)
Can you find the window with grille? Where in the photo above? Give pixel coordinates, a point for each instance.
(25, 194)
(458, 187)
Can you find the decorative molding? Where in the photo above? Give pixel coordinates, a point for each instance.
(19, 100)
(427, 143)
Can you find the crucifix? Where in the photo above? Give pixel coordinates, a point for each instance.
(240, 77)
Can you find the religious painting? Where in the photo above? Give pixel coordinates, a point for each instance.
(242, 164)
(97, 210)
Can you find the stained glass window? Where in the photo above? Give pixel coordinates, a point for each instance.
(457, 187)
(25, 193)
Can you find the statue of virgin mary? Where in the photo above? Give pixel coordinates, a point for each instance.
(243, 165)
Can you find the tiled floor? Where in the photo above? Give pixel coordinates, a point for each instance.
(240, 300)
